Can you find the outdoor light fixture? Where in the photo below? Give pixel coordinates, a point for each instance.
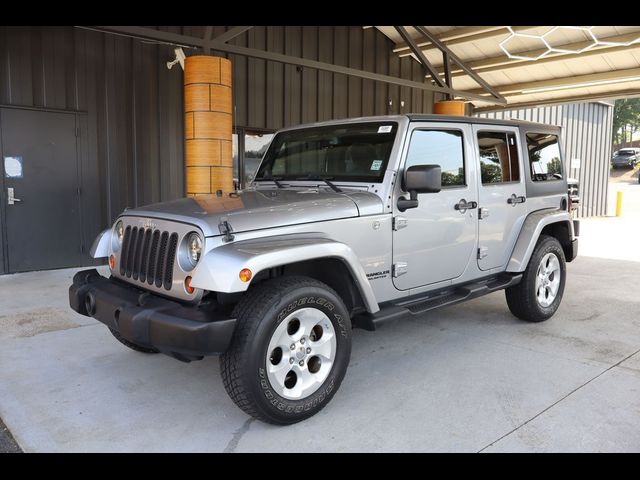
(592, 38)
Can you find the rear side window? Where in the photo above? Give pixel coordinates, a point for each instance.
(544, 157)
(498, 157)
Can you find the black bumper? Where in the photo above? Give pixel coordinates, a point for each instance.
(184, 332)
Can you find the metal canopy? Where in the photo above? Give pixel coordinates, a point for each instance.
(540, 65)
(220, 43)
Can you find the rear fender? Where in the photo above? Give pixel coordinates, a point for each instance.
(530, 232)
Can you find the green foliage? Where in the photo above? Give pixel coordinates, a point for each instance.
(490, 172)
(626, 115)
(554, 166)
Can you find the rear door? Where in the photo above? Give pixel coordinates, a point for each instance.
(501, 193)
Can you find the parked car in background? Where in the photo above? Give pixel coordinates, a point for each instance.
(626, 158)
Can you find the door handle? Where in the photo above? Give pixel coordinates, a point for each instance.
(513, 199)
(11, 199)
(462, 206)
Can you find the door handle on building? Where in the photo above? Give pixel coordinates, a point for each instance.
(513, 199)
(11, 199)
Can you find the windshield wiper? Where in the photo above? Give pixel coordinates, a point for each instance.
(273, 179)
(324, 179)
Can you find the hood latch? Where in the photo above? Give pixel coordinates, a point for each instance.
(225, 229)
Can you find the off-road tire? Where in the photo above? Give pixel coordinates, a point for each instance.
(258, 314)
(131, 345)
(521, 298)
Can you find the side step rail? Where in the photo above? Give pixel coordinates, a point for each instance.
(432, 300)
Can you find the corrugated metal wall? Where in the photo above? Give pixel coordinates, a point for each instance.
(134, 104)
(586, 135)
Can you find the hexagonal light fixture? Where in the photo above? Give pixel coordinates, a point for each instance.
(547, 43)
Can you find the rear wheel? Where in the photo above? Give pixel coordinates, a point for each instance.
(537, 297)
(131, 345)
(290, 350)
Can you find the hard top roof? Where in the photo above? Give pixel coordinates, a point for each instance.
(423, 117)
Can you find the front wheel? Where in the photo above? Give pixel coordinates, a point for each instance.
(290, 350)
(537, 297)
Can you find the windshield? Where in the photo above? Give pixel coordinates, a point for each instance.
(626, 153)
(352, 152)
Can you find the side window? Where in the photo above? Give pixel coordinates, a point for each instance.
(544, 157)
(498, 157)
(439, 147)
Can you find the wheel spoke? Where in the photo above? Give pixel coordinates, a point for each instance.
(309, 318)
(324, 346)
(279, 372)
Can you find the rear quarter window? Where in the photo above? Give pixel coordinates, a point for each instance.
(545, 160)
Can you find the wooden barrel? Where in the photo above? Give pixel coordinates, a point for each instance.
(449, 107)
(208, 125)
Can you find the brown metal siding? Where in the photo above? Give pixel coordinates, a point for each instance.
(586, 134)
(132, 122)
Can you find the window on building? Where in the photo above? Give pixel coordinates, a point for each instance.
(544, 157)
(498, 157)
(439, 147)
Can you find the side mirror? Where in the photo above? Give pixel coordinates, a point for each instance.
(420, 179)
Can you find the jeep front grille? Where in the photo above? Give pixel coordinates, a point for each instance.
(148, 255)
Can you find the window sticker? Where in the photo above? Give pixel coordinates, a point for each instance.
(384, 129)
(13, 167)
(376, 164)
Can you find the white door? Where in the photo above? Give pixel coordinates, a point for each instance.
(436, 241)
(501, 193)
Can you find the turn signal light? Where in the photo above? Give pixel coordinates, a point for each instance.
(245, 275)
(187, 286)
(112, 262)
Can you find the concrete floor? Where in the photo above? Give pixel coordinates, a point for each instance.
(466, 378)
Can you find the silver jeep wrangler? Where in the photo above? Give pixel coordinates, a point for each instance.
(346, 224)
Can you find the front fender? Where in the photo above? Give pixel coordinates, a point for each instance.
(100, 247)
(219, 268)
(530, 232)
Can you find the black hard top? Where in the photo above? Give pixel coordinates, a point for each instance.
(425, 117)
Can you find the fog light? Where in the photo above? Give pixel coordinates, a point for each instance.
(245, 275)
(112, 262)
(187, 286)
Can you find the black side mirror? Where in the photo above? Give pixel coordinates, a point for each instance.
(420, 179)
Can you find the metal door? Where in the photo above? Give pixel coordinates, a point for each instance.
(40, 189)
(436, 240)
(501, 193)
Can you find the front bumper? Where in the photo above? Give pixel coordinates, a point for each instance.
(183, 332)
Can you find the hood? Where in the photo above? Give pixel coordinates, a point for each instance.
(257, 209)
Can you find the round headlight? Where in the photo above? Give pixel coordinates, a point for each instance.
(194, 248)
(118, 235)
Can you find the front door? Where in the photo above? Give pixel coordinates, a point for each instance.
(501, 193)
(436, 241)
(40, 189)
